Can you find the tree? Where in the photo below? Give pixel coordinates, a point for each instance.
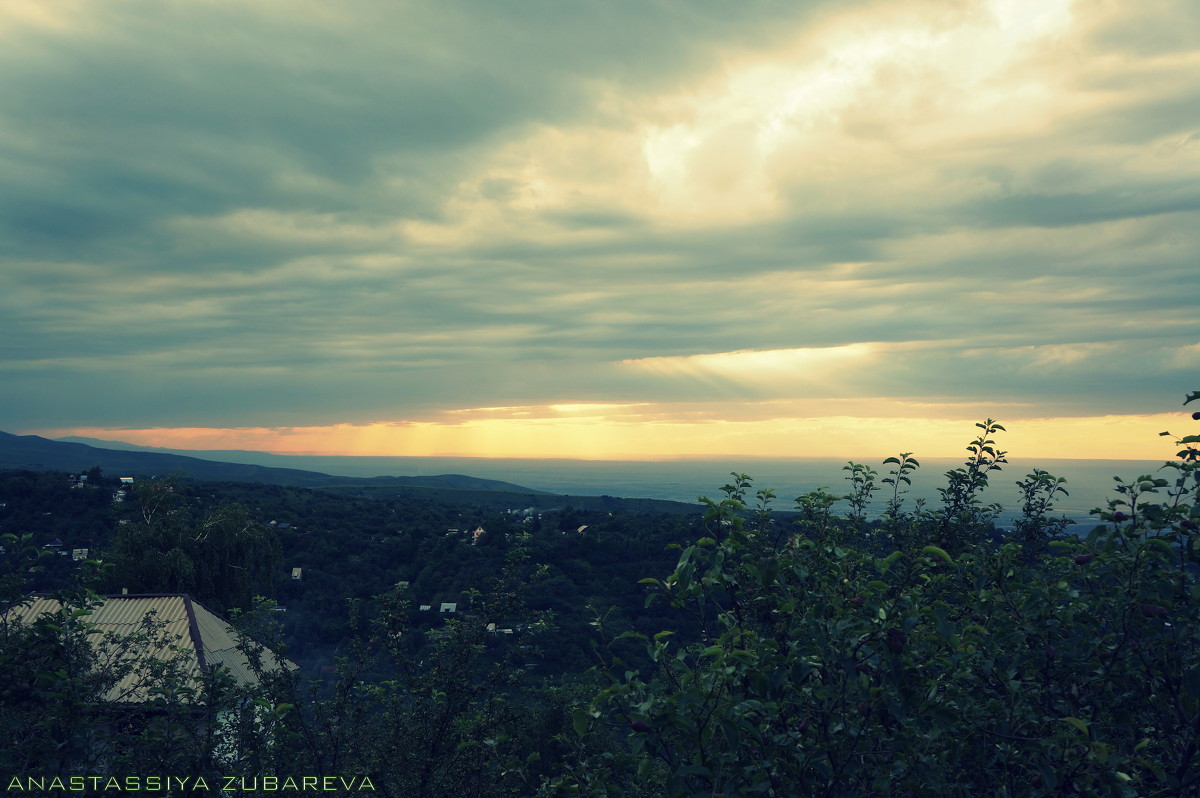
(225, 558)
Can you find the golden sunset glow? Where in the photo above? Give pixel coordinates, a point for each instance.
(599, 436)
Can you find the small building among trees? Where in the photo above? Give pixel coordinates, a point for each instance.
(121, 681)
(182, 633)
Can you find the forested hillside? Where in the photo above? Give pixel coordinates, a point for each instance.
(473, 650)
(347, 547)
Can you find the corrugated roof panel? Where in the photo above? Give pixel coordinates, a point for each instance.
(220, 643)
(36, 607)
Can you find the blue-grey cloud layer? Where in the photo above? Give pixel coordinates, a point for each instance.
(300, 214)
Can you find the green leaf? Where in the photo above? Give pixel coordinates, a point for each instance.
(941, 554)
(889, 561)
(1162, 544)
(579, 720)
(1078, 724)
(730, 730)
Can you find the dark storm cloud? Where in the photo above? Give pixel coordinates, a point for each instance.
(311, 213)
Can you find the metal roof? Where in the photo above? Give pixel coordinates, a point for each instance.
(195, 637)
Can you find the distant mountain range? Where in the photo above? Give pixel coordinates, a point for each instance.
(34, 453)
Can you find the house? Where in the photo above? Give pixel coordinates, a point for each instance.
(194, 639)
(145, 671)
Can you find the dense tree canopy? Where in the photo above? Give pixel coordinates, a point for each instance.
(224, 558)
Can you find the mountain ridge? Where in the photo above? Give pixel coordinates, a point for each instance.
(35, 453)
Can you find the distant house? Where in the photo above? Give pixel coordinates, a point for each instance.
(126, 480)
(79, 554)
(449, 607)
(296, 573)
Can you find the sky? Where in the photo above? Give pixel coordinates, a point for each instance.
(622, 229)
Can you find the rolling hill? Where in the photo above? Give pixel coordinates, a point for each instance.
(34, 453)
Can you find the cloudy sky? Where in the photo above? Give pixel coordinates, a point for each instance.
(629, 228)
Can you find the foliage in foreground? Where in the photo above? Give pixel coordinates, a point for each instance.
(919, 658)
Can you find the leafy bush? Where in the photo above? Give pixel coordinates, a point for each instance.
(954, 665)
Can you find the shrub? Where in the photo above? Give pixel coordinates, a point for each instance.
(954, 665)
